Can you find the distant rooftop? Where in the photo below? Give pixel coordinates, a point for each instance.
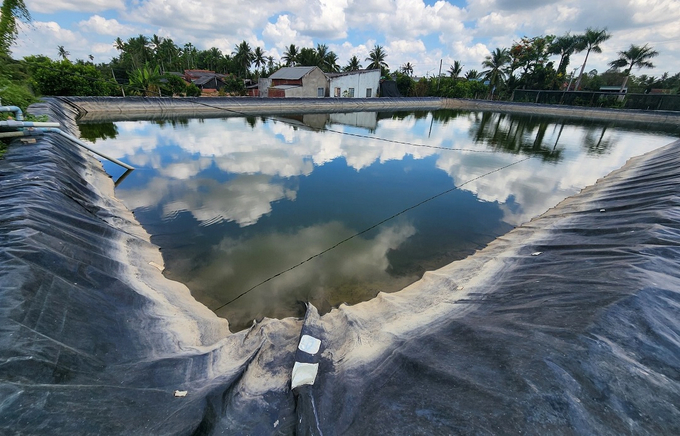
(347, 73)
(291, 73)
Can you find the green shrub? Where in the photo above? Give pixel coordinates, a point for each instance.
(193, 90)
(15, 94)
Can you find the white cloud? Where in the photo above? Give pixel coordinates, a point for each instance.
(323, 19)
(100, 25)
(48, 35)
(50, 6)
(281, 34)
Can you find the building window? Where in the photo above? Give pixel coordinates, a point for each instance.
(337, 92)
(369, 91)
(350, 92)
(320, 92)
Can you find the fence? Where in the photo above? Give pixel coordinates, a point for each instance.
(665, 102)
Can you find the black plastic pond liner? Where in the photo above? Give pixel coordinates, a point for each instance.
(569, 324)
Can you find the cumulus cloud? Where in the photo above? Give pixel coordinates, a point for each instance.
(102, 26)
(50, 6)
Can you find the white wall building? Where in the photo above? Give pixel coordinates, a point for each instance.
(354, 84)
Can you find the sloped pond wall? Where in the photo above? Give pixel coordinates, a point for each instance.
(569, 324)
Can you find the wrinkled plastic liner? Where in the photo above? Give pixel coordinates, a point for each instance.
(570, 324)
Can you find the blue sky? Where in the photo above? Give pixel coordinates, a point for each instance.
(415, 31)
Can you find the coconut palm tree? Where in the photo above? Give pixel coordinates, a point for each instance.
(326, 59)
(635, 56)
(243, 55)
(63, 53)
(169, 54)
(189, 54)
(590, 41)
(259, 58)
(377, 57)
(331, 62)
(455, 69)
(407, 69)
(290, 55)
(472, 75)
(353, 64)
(495, 67)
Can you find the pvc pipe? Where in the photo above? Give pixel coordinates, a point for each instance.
(18, 115)
(12, 124)
(12, 134)
(40, 131)
(87, 147)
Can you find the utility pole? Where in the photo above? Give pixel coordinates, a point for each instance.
(439, 79)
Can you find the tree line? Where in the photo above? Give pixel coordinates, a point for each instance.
(143, 66)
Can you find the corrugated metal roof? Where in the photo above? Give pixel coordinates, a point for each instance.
(291, 73)
(349, 73)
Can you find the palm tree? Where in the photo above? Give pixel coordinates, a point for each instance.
(353, 64)
(635, 56)
(331, 62)
(189, 54)
(472, 75)
(495, 64)
(407, 69)
(564, 46)
(11, 13)
(326, 59)
(455, 69)
(63, 53)
(155, 43)
(590, 41)
(119, 44)
(290, 55)
(259, 59)
(243, 55)
(169, 53)
(377, 57)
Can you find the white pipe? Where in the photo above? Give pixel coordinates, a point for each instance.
(87, 147)
(67, 136)
(12, 124)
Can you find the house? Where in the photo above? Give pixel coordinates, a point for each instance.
(297, 82)
(206, 80)
(354, 84)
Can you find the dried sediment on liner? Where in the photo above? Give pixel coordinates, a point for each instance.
(94, 339)
(95, 109)
(569, 324)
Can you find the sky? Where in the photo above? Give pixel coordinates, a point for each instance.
(416, 31)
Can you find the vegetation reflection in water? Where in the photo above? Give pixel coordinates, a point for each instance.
(232, 202)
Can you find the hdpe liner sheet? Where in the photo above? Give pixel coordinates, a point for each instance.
(567, 325)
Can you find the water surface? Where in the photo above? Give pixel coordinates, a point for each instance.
(234, 202)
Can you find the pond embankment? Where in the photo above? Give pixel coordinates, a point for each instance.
(549, 329)
(92, 109)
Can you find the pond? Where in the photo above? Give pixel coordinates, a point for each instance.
(258, 216)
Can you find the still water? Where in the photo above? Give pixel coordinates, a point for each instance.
(242, 207)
